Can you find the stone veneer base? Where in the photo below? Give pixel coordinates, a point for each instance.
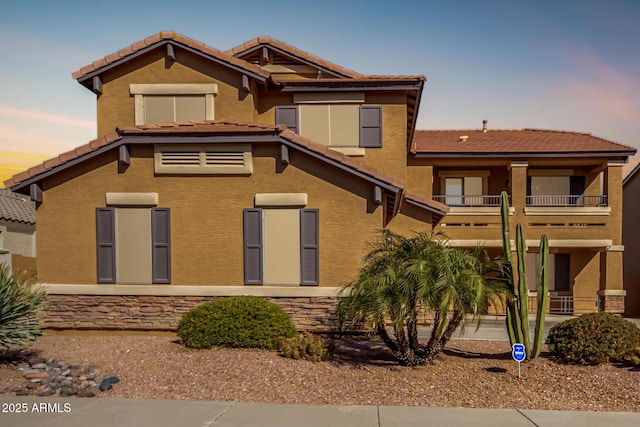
(162, 313)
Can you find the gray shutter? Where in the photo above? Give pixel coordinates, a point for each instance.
(160, 245)
(106, 245)
(370, 126)
(252, 246)
(287, 116)
(309, 245)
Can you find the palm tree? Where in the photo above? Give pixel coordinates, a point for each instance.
(401, 277)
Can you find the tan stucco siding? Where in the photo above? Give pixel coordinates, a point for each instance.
(392, 157)
(116, 105)
(206, 216)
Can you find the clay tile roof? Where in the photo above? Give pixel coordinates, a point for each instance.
(294, 51)
(122, 54)
(16, 207)
(509, 142)
(440, 207)
(61, 159)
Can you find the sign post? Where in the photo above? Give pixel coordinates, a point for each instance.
(519, 354)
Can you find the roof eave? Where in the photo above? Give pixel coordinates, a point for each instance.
(87, 79)
(578, 154)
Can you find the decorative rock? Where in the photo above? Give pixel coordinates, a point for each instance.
(108, 382)
(36, 360)
(48, 378)
(36, 375)
(68, 390)
(88, 392)
(45, 392)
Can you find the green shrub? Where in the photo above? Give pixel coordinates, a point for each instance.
(305, 346)
(595, 338)
(243, 321)
(21, 300)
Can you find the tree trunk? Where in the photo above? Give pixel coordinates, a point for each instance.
(436, 348)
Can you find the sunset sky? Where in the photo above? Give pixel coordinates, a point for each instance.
(565, 65)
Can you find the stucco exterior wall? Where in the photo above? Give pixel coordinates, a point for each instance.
(115, 107)
(206, 215)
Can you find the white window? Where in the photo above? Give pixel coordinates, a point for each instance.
(156, 103)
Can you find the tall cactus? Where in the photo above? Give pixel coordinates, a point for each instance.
(518, 303)
(543, 294)
(523, 291)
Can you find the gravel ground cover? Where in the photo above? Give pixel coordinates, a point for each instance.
(474, 374)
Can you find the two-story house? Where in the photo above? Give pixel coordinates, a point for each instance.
(265, 170)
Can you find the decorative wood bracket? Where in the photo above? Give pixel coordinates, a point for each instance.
(264, 59)
(377, 195)
(124, 158)
(97, 85)
(284, 154)
(171, 52)
(245, 83)
(35, 192)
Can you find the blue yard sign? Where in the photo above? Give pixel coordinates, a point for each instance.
(519, 354)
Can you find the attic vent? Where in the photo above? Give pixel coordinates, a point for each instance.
(211, 159)
(463, 138)
(170, 158)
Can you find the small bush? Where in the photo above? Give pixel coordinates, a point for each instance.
(21, 300)
(595, 338)
(243, 321)
(305, 346)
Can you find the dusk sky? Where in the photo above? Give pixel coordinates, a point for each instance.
(564, 65)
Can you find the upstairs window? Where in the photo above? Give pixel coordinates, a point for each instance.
(157, 103)
(335, 125)
(555, 190)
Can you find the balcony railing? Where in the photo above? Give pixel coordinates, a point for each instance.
(565, 200)
(470, 201)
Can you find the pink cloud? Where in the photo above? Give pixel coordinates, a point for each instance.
(47, 117)
(600, 87)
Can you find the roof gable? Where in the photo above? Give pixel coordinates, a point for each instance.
(225, 132)
(169, 40)
(271, 54)
(525, 142)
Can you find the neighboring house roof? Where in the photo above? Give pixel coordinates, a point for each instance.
(16, 207)
(513, 143)
(631, 174)
(278, 46)
(255, 132)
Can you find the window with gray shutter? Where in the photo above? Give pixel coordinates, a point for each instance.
(309, 245)
(161, 245)
(287, 116)
(252, 229)
(105, 245)
(370, 126)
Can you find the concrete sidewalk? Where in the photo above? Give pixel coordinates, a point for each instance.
(76, 412)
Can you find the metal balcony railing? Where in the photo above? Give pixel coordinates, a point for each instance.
(470, 201)
(567, 200)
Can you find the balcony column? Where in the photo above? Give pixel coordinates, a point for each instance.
(613, 189)
(611, 295)
(518, 190)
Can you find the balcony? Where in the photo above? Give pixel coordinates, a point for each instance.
(567, 200)
(470, 201)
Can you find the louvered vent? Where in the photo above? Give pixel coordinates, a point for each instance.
(203, 159)
(224, 159)
(170, 158)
